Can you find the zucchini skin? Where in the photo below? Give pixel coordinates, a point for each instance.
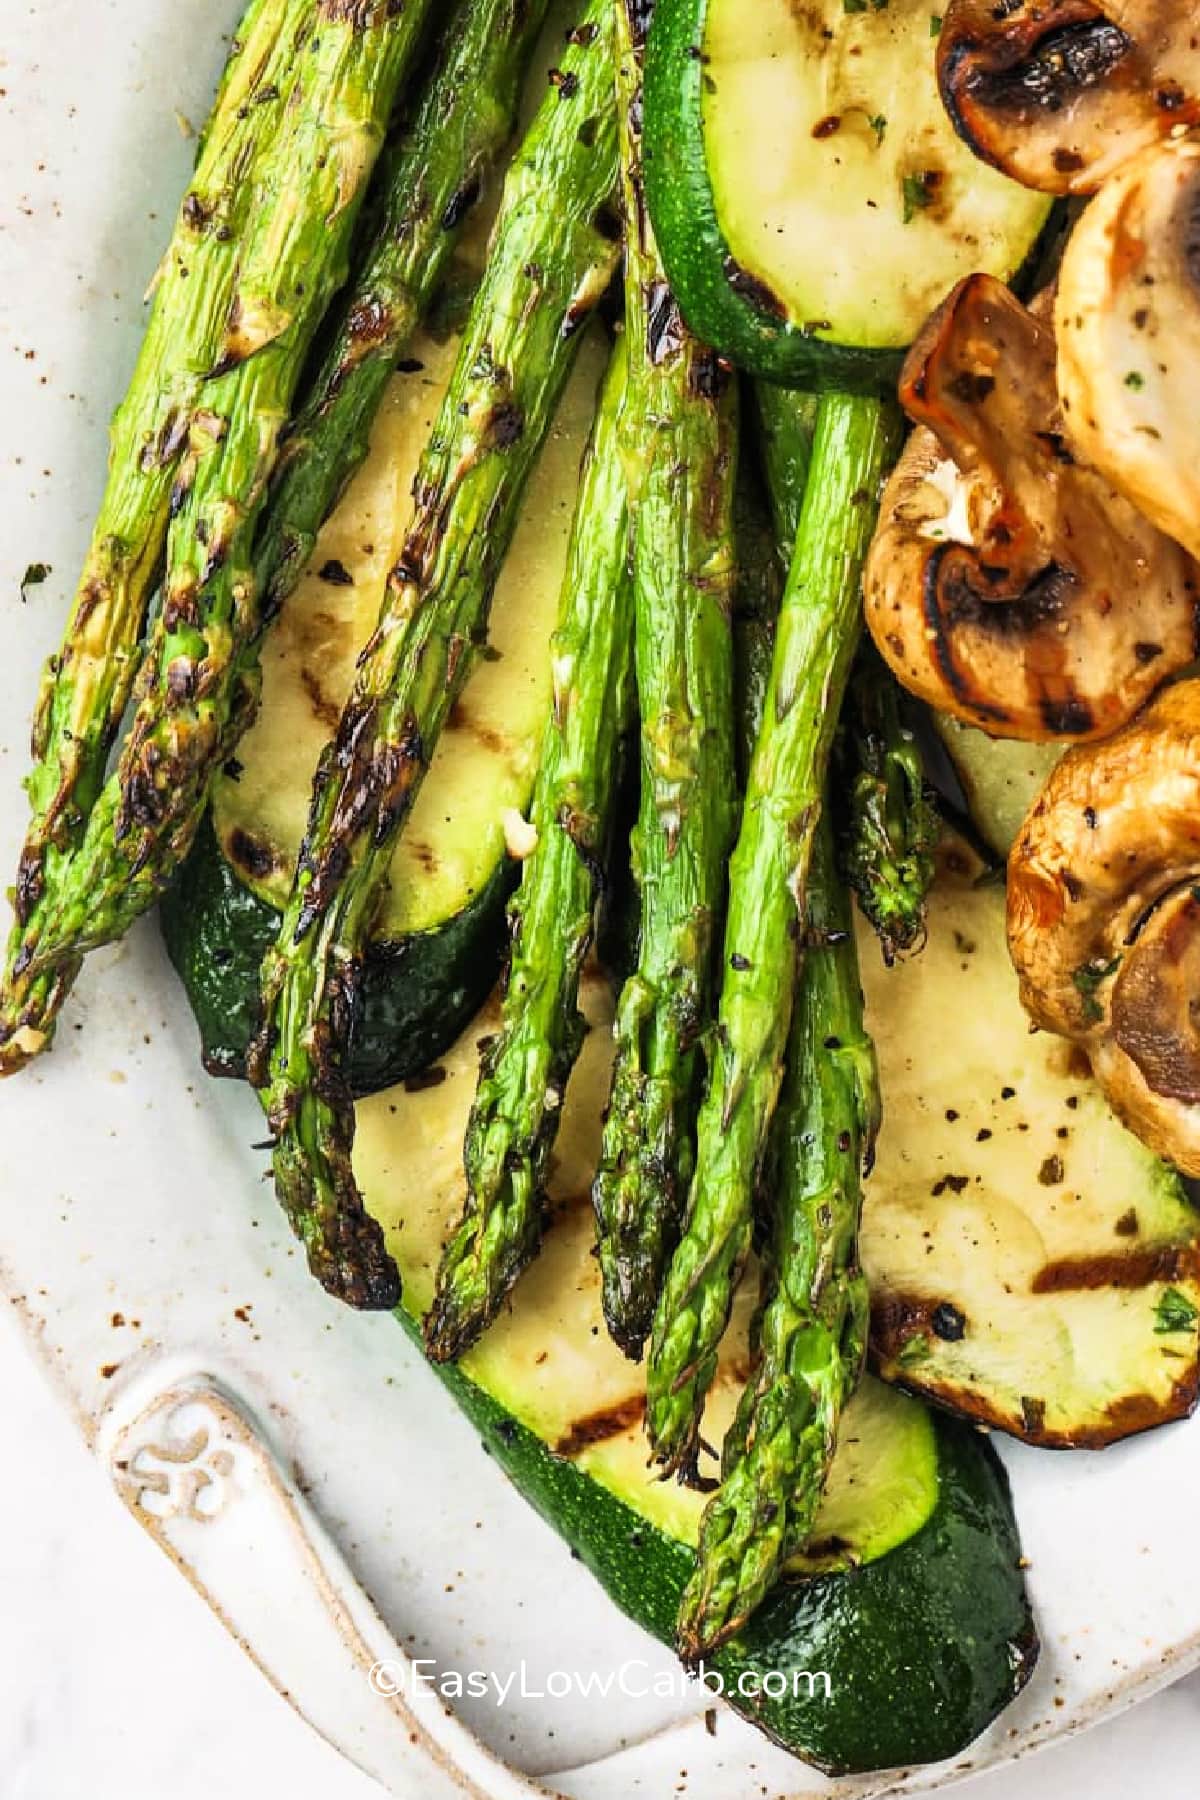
(694, 248)
(418, 992)
(923, 1648)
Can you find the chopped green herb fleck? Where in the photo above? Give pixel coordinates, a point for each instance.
(34, 576)
(914, 1350)
(917, 195)
(935, 24)
(854, 6)
(1174, 1312)
(1135, 381)
(878, 124)
(1087, 979)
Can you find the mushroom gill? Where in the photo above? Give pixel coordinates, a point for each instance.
(1060, 93)
(1104, 917)
(1008, 583)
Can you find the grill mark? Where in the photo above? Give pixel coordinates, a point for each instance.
(598, 1427)
(1086, 1274)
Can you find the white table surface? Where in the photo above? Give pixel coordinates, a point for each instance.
(116, 1683)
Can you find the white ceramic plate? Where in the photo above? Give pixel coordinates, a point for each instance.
(292, 1457)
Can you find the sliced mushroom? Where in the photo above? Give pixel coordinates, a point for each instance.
(1104, 917)
(1128, 319)
(1060, 93)
(1009, 584)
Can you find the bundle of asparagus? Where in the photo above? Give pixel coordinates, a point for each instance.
(219, 487)
(259, 249)
(552, 257)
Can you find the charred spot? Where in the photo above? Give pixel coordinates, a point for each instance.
(195, 213)
(30, 885)
(948, 1323)
(181, 680)
(505, 425)
(1147, 653)
(335, 573)
(425, 1079)
(826, 127)
(1060, 66)
(461, 202)
(639, 13)
(251, 853)
(1033, 1414)
(706, 376)
(1067, 162)
(1057, 446)
(566, 81)
(664, 325)
(1066, 718)
(748, 287)
(368, 323)
(970, 386)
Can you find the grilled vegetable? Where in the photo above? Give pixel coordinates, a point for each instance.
(890, 827)
(1030, 1263)
(916, 1507)
(438, 938)
(818, 631)
(1104, 917)
(434, 179)
(999, 582)
(552, 257)
(1060, 93)
(774, 128)
(678, 437)
(999, 777)
(812, 1334)
(526, 1065)
(87, 682)
(289, 209)
(1128, 317)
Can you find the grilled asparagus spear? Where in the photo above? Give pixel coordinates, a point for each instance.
(812, 1329)
(197, 438)
(552, 257)
(527, 1065)
(818, 631)
(890, 829)
(679, 442)
(433, 180)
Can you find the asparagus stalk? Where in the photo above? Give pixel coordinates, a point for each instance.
(337, 70)
(86, 684)
(680, 447)
(812, 1329)
(527, 1065)
(552, 258)
(818, 631)
(434, 179)
(891, 825)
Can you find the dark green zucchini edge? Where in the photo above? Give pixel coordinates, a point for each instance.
(418, 992)
(923, 1649)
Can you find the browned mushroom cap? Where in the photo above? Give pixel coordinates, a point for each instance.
(1008, 583)
(1104, 917)
(1059, 93)
(1128, 320)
